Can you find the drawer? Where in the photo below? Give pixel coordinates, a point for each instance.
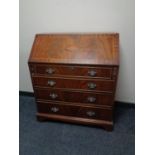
(66, 70)
(75, 111)
(71, 83)
(74, 96)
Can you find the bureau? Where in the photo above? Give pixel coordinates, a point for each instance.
(74, 77)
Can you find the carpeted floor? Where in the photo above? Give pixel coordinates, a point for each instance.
(54, 138)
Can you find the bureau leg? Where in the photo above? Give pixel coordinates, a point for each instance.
(108, 127)
(41, 119)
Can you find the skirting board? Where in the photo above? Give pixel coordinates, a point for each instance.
(117, 103)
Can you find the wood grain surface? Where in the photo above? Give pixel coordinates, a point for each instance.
(92, 98)
(74, 83)
(76, 48)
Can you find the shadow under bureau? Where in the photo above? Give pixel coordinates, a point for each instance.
(74, 77)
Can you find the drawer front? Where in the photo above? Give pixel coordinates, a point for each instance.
(73, 96)
(95, 113)
(58, 109)
(86, 84)
(51, 70)
(75, 111)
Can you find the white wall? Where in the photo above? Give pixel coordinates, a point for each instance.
(39, 16)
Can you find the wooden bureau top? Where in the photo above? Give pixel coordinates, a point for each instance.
(95, 49)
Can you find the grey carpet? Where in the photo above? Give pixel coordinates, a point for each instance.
(54, 138)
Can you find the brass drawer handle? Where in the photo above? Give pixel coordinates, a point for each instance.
(91, 113)
(91, 85)
(51, 83)
(53, 95)
(54, 109)
(92, 73)
(50, 70)
(91, 99)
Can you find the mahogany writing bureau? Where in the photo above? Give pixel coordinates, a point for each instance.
(74, 77)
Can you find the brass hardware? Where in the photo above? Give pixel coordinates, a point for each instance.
(91, 113)
(53, 95)
(54, 109)
(92, 73)
(50, 70)
(51, 83)
(91, 85)
(91, 99)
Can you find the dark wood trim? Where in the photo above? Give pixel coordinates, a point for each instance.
(117, 103)
(72, 64)
(108, 125)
